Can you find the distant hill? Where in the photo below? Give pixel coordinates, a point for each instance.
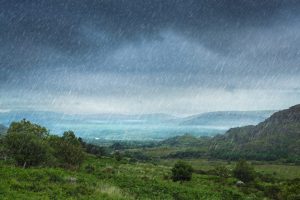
(156, 116)
(185, 140)
(228, 118)
(275, 138)
(224, 119)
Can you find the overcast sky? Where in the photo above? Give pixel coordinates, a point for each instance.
(178, 57)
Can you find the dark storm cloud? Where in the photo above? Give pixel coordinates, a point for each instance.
(141, 48)
(59, 24)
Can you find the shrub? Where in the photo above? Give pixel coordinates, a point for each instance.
(272, 191)
(221, 171)
(67, 149)
(94, 149)
(26, 143)
(182, 172)
(31, 145)
(244, 171)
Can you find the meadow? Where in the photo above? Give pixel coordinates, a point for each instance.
(282, 171)
(107, 178)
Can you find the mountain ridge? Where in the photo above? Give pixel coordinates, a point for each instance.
(276, 137)
(229, 118)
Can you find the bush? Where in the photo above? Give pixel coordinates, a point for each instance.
(67, 149)
(182, 172)
(26, 143)
(272, 191)
(221, 171)
(94, 149)
(244, 171)
(31, 145)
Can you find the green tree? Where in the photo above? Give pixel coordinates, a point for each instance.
(69, 136)
(25, 127)
(67, 149)
(182, 172)
(26, 143)
(244, 171)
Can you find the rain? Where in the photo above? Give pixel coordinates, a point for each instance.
(150, 99)
(135, 58)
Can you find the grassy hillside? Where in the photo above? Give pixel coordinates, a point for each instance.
(278, 137)
(108, 180)
(184, 141)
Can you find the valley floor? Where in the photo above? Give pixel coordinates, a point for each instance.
(106, 178)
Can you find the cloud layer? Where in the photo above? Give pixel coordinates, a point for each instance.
(138, 56)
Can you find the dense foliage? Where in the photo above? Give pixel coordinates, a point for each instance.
(182, 172)
(27, 143)
(93, 149)
(244, 171)
(31, 145)
(67, 149)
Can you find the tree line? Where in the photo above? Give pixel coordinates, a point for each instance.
(29, 144)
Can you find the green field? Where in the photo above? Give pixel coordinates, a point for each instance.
(109, 180)
(106, 178)
(281, 171)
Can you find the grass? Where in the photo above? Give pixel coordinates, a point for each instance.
(109, 179)
(202, 164)
(53, 183)
(279, 170)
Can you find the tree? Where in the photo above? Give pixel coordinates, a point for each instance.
(95, 150)
(91, 148)
(244, 171)
(69, 136)
(31, 145)
(26, 143)
(182, 172)
(67, 149)
(25, 127)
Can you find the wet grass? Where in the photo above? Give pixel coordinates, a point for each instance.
(106, 178)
